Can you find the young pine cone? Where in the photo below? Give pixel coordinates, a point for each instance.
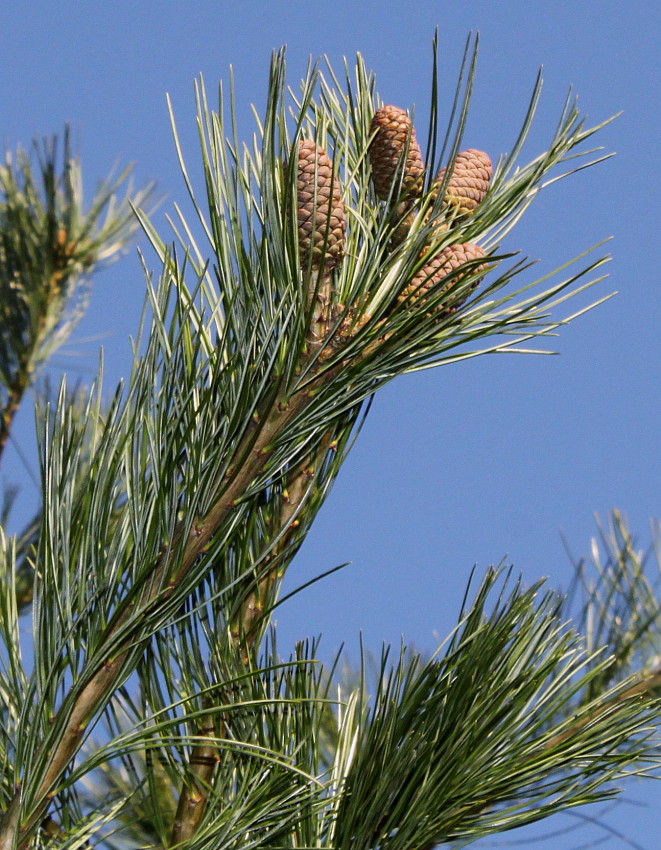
(395, 154)
(320, 210)
(468, 181)
(438, 268)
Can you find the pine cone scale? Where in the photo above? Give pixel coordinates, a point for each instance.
(321, 218)
(395, 154)
(443, 265)
(468, 182)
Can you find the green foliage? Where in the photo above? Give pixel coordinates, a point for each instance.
(492, 734)
(157, 710)
(49, 248)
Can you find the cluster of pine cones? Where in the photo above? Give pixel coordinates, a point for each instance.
(398, 177)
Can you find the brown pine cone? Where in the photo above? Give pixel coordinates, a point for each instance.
(395, 154)
(320, 210)
(468, 182)
(438, 268)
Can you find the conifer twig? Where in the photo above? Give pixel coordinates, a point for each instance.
(49, 248)
(648, 686)
(195, 790)
(16, 392)
(294, 495)
(80, 707)
(264, 457)
(25, 369)
(205, 756)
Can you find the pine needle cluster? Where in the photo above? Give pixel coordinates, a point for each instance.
(322, 260)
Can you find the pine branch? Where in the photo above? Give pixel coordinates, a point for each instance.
(243, 385)
(16, 389)
(245, 629)
(27, 359)
(295, 492)
(81, 705)
(245, 633)
(647, 688)
(488, 736)
(195, 791)
(49, 249)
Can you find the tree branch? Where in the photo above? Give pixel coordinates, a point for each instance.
(80, 706)
(16, 392)
(195, 791)
(647, 686)
(52, 288)
(205, 756)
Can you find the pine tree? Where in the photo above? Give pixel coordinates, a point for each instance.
(153, 706)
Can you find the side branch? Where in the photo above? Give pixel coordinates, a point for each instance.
(195, 792)
(11, 408)
(245, 628)
(295, 493)
(80, 706)
(648, 686)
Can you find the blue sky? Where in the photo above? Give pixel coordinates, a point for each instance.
(491, 459)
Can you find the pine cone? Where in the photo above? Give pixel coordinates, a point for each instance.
(437, 269)
(320, 210)
(468, 182)
(395, 154)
